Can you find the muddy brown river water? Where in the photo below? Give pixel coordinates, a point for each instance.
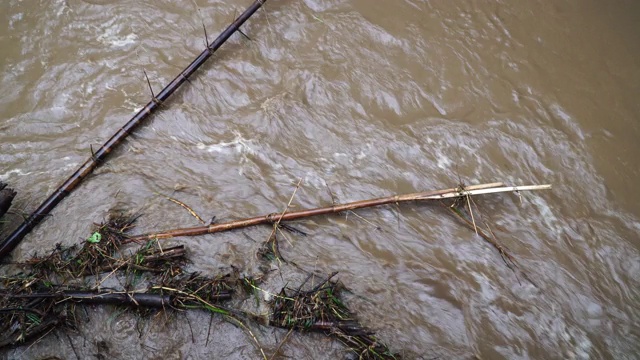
(366, 98)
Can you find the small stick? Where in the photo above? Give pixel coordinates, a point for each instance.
(246, 328)
(275, 352)
(366, 221)
(289, 203)
(491, 190)
(502, 250)
(505, 255)
(277, 223)
(190, 210)
(206, 37)
(240, 31)
(153, 95)
(471, 212)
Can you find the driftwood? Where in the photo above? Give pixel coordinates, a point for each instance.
(32, 314)
(294, 215)
(100, 155)
(6, 197)
(139, 299)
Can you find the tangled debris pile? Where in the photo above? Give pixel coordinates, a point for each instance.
(320, 309)
(46, 295)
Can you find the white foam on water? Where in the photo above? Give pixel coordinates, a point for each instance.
(15, 18)
(436, 105)
(238, 145)
(443, 161)
(61, 7)
(312, 178)
(110, 37)
(567, 119)
(19, 172)
(547, 215)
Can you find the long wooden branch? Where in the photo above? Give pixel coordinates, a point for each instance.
(294, 215)
(101, 154)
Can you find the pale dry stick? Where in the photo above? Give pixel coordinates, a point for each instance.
(185, 206)
(365, 220)
(290, 201)
(122, 263)
(254, 338)
(268, 293)
(209, 306)
(285, 236)
(471, 212)
(160, 247)
(35, 342)
(277, 223)
(493, 190)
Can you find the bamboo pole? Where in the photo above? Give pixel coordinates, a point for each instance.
(101, 154)
(294, 215)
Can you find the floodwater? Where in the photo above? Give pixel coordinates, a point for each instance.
(367, 99)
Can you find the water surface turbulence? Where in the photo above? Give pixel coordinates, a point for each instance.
(359, 99)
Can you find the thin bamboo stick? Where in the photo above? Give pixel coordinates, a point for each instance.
(101, 154)
(294, 215)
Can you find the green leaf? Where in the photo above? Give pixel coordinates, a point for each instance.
(95, 238)
(34, 318)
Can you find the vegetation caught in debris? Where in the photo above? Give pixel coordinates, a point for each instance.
(48, 295)
(321, 309)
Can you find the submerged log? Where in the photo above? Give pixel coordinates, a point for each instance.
(100, 155)
(6, 197)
